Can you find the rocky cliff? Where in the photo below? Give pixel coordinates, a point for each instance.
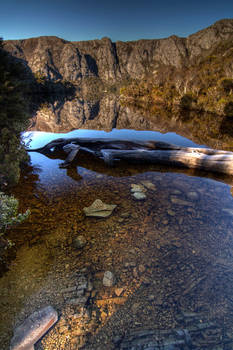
(57, 59)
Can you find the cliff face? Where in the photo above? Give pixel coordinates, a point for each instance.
(57, 59)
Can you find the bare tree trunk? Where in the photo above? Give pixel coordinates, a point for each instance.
(143, 151)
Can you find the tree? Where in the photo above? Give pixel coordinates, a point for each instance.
(13, 120)
(13, 117)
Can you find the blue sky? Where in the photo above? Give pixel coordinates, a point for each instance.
(119, 20)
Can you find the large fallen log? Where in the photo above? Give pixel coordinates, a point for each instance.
(111, 150)
(222, 163)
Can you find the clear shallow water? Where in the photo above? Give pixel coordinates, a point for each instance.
(176, 245)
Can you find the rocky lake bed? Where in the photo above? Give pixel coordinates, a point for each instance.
(152, 260)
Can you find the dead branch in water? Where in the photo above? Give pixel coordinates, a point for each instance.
(156, 152)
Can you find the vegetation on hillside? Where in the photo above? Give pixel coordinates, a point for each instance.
(205, 85)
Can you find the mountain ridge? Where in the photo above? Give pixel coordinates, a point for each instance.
(96, 63)
(56, 58)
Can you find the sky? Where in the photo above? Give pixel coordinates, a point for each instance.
(124, 20)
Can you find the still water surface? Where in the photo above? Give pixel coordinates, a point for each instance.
(171, 254)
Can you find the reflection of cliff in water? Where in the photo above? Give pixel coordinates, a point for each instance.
(108, 113)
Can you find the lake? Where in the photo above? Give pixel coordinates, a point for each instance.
(171, 254)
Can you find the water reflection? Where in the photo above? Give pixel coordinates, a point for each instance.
(108, 114)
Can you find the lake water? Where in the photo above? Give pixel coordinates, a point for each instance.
(171, 253)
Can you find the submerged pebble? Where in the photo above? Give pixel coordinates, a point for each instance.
(79, 242)
(139, 195)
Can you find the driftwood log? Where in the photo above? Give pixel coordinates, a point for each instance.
(111, 150)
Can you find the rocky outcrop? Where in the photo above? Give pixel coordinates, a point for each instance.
(58, 59)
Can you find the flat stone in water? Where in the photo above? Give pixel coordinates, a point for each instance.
(99, 209)
(33, 328)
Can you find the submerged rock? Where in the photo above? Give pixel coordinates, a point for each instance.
(79, 242)
(33, 328)
(137, 188)
(99, 209)
(149, 185)
(139, 195)
(179, 201)
(108, 279)
(138, 191)
(193, 195)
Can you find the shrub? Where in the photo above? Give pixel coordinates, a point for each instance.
(13, 117)
(9, 212)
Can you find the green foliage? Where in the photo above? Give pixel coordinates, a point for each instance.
(9, 212)
(13, 117)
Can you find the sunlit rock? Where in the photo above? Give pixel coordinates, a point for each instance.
(99, 209)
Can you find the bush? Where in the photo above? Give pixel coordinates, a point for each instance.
(9, 212)
(13, 117)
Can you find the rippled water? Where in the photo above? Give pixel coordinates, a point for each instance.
(171, 252)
